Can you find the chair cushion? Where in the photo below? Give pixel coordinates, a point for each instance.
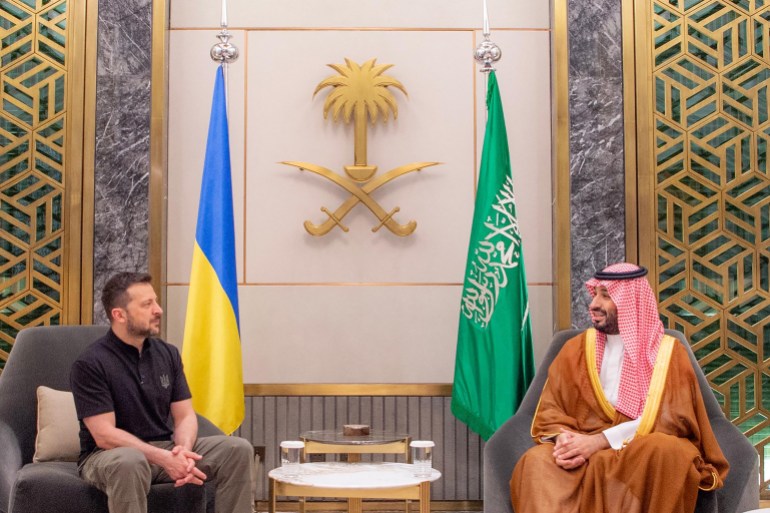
(57, 426)
(56, 487)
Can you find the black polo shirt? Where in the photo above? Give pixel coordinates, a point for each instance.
(112, 376)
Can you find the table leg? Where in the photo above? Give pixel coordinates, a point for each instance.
(355, 505)
(425, 497)
(271, 498)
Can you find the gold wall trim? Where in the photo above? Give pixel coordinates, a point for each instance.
(158, 145)
(74, 161)
(629, 130)
(351, 284)
(89, 152)
(331, 284)
(475, 125)
(364, 29)
(245, 58)
(349, 389)
(562, 247)
(644, 97)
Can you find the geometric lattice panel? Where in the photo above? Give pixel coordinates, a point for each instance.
(712, 196)
(33, 85)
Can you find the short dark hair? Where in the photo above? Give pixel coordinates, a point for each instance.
(115, 291)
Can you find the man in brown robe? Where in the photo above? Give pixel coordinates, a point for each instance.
(621, 425)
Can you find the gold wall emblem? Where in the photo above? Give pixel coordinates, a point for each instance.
(360, 93)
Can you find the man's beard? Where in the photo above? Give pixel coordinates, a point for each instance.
(139, 331)
(609, 326)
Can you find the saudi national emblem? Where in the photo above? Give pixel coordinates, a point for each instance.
(360, 93)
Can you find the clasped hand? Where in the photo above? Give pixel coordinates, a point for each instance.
(180, 466)
(572, 450)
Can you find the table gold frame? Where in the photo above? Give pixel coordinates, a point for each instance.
(354, 452)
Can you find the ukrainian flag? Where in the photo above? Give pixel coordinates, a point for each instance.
(212, 347)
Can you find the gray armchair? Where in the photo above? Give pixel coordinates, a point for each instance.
(741, 489)
(43, 356)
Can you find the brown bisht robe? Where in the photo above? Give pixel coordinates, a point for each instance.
(673, 454)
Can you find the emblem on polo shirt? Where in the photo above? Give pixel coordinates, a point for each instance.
(164, 381)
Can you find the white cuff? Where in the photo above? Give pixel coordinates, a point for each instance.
(622, 433)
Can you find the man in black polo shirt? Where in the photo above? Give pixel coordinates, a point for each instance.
(137, 424)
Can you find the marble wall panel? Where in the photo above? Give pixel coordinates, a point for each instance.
(597, 181)
(122, 162)
(361, 13)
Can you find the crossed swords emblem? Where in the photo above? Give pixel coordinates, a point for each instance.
(360, 93)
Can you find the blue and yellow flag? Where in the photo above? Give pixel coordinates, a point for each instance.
(212, 347)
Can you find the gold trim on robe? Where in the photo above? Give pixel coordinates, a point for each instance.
(547, 437)
(657, 386)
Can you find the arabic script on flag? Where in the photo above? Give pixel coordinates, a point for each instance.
(497, 252)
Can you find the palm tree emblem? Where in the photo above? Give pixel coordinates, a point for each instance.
(360, 93)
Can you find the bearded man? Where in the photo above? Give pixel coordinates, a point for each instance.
(621, 424)
(137, 423)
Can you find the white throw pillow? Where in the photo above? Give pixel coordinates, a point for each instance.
(58, 429)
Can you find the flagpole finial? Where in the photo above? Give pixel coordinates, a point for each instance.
(224, 52)
(487, 53)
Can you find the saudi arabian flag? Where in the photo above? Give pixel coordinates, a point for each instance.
(494, 363)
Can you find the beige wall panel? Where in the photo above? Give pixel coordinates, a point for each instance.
(342, 334)
(351, 334)
(361, 13)
(285, 122)
(191, 85)
(541, 312)
(524, 80)
(357, 334)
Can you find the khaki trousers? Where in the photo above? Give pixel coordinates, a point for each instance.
(125, 475)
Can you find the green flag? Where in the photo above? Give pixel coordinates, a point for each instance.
(494, 363)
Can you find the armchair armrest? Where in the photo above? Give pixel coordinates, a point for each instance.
(501, 453)
(741, 487)
(10, 462)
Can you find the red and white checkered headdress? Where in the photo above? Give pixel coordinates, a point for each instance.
(640, 328)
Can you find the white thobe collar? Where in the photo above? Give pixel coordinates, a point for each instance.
(612, 364)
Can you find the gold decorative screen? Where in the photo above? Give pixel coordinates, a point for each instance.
(33, 119)
(704, 120)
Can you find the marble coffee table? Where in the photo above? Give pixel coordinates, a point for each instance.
(354, 481)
